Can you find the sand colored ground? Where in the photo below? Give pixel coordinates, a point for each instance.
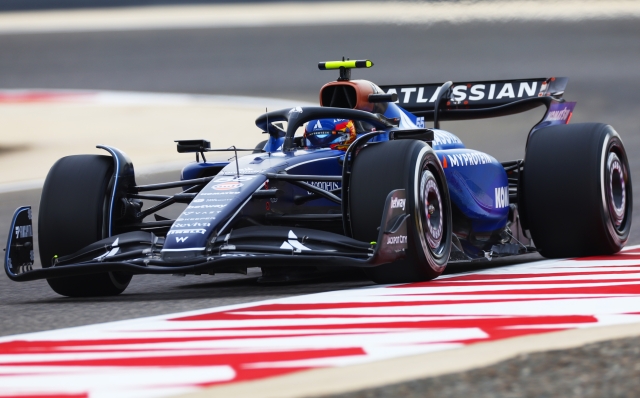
(35, 134)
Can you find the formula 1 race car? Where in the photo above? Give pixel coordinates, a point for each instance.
(367, 185)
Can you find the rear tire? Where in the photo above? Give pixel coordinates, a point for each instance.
(259, 147)
(411, 165)
(72, 207)
(577, 190)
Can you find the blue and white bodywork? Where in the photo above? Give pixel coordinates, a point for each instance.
(285, 206)
(478, 187)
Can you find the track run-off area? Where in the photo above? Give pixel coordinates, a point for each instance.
(215, 348)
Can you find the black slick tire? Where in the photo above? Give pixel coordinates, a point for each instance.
(411, 165)
(259, 147)
(71, 217)
(576, 190)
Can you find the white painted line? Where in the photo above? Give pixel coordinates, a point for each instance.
(313, 14)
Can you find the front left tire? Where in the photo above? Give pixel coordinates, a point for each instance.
(72, 207)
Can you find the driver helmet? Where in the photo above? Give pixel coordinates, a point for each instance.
(330, 133)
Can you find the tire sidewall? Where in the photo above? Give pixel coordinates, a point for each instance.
(564, 195)
(377, 170)
(72, 214)
(422, 253)
(617, 237)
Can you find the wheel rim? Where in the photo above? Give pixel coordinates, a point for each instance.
(433, 225)
(616, 190)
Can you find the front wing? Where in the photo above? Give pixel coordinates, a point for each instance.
(267, 246)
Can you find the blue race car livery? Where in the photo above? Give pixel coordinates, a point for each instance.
(373, 183)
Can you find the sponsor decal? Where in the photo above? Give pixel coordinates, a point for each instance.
(218, 193)
(188, 213)
(445, 138)
(326, 185)
(196, 219)
(244, 170)
(197, 200)
(240, 178)
(294, 112)
(543, 89)
(397, 203)
(501, 197)
(181, 239)
(471, 158)
(319, 133)
(206, 206)
(293, 244)
(469, 92)
(196, 224)
(560, 113)
(396, 240)
(420, 122)
(114, 250)
(23, 231)
(187, 231)
(297, 109)
(225, 186)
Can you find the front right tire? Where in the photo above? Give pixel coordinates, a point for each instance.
(413, 166)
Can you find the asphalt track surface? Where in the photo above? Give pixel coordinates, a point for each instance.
(33, 306)
(600, 57)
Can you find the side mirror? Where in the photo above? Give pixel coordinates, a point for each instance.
(189, 146)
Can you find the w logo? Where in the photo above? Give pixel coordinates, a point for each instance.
(182, 238)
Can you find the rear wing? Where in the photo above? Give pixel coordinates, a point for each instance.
(481, 99)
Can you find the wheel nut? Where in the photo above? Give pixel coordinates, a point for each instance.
(431, 209)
